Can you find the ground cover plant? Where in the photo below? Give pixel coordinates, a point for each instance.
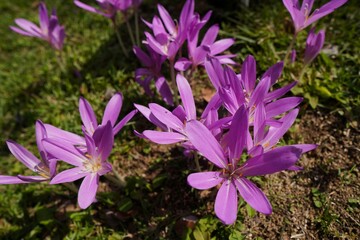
(146, 197)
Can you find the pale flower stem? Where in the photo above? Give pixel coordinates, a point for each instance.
(211, 167)
(119, 178)
(173, 81)
(136, 16)
(288, 51)
(71, 186)
(196, 158)
(119, 38)
(130, 32)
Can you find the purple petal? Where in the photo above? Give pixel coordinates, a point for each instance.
(214, 70)
(143, 57)
(112, 109)
(167, 20)
(182, 64)
(146, 112)
(64, 136)
(22, 32)
(237, 134)
(205, 143)
(164, 90)
(164, 137)
(210, 35)
(124, 121)
(166, 117)
(87, 190)
(64, 151)
(187, 97)
(282, 105)
(70, 175)
(88, 116)
(204, 180)
(221, 45)
(279, 92)
(324, 10)
(43, 17)
(179, 112)
(226, 203)
(104, 140)
(10, 180)
(248, 73)
(31, 179)
(40, 133)
(23, 155)
(270, 162)
(305, 147)
(253, 195)
(274, 72)
(29, 27)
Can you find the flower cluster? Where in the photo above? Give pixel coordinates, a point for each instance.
(167, 41)
(88, 153)
(49, 30)
(238, 132)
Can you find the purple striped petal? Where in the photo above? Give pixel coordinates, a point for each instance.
(260, 92)
(146, 112)
(43, 17)
(253, 195)
(164, 90)
(204, 180)
(279, 92)
(167, 20)
(210, 35)
(187, 97)
(32, 179)
(282, 105)
(64, 136)
(23, 155)
(248, 73)
(63, 151)
(10, 180)
(124, 121)
(104, 140)
(270, 162)
(29, 27)
(226, 203)
(237, 134)
(164, 137)
(112, 109)
(166, 117)
(221, 45)
(87, 190)
(40, 133)
(88, 116)
(70, 175)
(205, 143)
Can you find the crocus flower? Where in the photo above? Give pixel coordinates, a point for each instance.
(108, 8)
(90, 123)
(173, 122)
(90, 165)
(168, 36)
(44, 167)
(233, 175)
(151, 70)
(207, 47)
(49, 30)
(303, 17)
(314, 44)
(236, 90)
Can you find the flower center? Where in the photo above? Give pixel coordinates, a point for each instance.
(93, 165)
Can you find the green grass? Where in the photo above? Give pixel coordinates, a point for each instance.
(34, 87)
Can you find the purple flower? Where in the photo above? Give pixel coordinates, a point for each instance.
(314, 44)
(49, 30)
(109, 8)
(45, 167)
(303, 17)
(90, 123)
(89, 165)
(168, 36)
(235, 90)
(173, 123)
(233, 175)
(152, 63)
(208, 47)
